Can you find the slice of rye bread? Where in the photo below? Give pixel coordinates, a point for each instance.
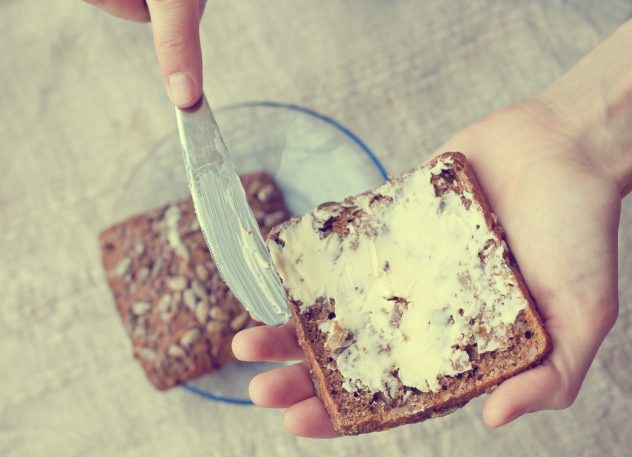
(365, 411)
(178, 312)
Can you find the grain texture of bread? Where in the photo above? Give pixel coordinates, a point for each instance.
(355, 411)
(178, 312)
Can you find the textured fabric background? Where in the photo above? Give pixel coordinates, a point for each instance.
(81, 105)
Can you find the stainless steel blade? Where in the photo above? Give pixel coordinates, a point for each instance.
(230, 228)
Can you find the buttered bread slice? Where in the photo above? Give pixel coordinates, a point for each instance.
(406, 299)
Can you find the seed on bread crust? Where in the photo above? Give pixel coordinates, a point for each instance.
(265, 193)
(188, 297)
(176, 351)
(240, 321)
(273, 219)
(201, 272)
(189, 337)
(215, 327)
(218, 314)
(201, 312)
(177, 283)
(148, 355)
(140, 307)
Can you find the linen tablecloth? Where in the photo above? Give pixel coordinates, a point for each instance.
(82, 105)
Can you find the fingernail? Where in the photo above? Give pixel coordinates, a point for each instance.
(181, 89)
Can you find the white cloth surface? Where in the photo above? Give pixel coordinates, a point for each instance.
(82, 104)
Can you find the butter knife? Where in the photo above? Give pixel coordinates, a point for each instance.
(227, 222)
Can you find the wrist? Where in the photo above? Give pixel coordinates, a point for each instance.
(592, 103)
(602, 139)
(603, 136)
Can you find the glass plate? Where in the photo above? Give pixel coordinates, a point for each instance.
(313, 158)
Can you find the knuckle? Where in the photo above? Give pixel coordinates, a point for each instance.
(565, 399)
(566, 391)
(606, 318)
(600, 316)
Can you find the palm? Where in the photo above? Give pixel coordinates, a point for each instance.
(561, 217)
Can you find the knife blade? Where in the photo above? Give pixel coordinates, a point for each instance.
(226, 219)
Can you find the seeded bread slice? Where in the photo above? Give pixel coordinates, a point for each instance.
(178, 312)
(354, 406)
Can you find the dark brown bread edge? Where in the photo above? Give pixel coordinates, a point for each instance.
(383, 422)
(494, 226)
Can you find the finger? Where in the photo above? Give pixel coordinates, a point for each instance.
(281, 387)
(175, 24)
(133, 10)
(309, 419)
(269, 344)
(533, 390)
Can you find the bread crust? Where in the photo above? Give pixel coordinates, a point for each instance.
(363, 412)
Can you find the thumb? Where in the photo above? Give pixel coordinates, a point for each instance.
(175, 25)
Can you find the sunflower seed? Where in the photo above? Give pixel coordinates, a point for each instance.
(148, 355)
(199, 290)
(166, 307)
(140, 307)
(218, 314)
(195, 225)
(215, 327)
(201, 272)
(121, 268)
(142, 274)
(189, 299)
(265, 193)
(177, 283)
(239, 322)
(212, 299)
(273, 219)
(218, 340)
(176, 351)
(253, 186)
(190, 337)
(164, 303)
(201, 312)
(139, 248)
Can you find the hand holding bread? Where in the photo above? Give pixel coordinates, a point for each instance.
(554, 170)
